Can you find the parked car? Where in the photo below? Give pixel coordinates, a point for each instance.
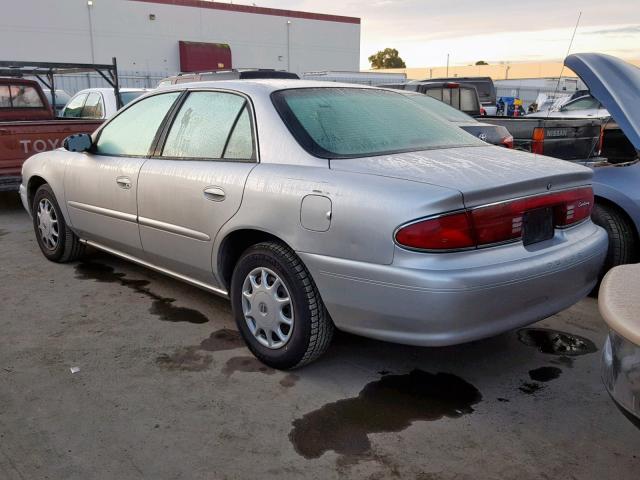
(62, 97)
(99, 103)
(233, 74)
(494, 134)
(461, 97)
(616, 84)
(28, 126)
(313, 205)
(581, 107)
(484, 86)
(620, 308)
(576, 139)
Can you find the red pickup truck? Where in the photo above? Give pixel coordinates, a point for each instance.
(28, 126)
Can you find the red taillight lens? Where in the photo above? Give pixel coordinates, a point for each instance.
(441, 233)
(537, 141)
(507, 142)
(452, 85)
(502, 222)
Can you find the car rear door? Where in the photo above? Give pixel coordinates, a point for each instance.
(101, 185)
(195, 181)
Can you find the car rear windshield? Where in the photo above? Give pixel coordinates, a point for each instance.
(336, 122)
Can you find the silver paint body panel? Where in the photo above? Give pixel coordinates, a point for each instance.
(370, 286)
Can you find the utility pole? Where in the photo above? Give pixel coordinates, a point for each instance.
(447, 75)
(288, 45)
(93, 60)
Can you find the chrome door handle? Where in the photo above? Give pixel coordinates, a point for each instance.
(124, 182)
(214, 193)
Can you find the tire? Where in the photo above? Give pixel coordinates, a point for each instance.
(622, 237)
(311, 327)
(59, 244)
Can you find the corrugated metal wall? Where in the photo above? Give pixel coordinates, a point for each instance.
(74, 82)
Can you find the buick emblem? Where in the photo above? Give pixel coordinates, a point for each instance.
(549, 185)
(483, 137)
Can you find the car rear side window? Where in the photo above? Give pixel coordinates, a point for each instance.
(211, 125)
(337, 122)
(131, 133)
(5, 97)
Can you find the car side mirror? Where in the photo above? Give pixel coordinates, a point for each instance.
(80, 142)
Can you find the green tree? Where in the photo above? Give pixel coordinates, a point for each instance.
(481, 62)
(387, 58)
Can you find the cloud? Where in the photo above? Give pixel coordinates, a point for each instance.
(625, 30)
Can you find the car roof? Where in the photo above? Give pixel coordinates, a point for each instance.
(261, 85)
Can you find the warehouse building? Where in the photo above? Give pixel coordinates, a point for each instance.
(152, 39)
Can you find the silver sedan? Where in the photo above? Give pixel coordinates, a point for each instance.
(315, 206)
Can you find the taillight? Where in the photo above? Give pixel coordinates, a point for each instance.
(507, 141)
(452, 85)
(537, 141)
(493, 224)
(447, 232)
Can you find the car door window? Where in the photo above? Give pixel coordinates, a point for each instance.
(74, 107)
(211, 125)
(93, 107)
(132, 132)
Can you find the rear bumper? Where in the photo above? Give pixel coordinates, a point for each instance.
(10, 183)
(445, 299)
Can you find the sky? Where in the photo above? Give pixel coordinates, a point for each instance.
(424, 31)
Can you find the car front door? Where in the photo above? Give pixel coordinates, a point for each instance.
(100, 185)
(195, 181)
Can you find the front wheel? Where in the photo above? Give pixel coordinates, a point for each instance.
(56, 240)
(277, 307)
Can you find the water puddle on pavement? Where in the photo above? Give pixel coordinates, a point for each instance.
(188, 359)
(223, 339)
(289, 380)
(162, 306)
(531, 388)
(389, 404)
(556, 343)
(246, 364)
(544, 374)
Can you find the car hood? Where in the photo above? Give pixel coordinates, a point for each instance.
(482, 174)
(616, 84)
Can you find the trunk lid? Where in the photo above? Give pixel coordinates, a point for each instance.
(482, 175)
(615, 84)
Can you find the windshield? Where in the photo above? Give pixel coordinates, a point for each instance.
(441, 109)
(128, 96)
(353, 122)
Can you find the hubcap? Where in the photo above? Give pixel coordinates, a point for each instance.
(267, 307)
(47, 224)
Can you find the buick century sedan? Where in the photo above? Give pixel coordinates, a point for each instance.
(315, 206)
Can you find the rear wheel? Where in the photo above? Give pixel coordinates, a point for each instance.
(277, 307)
(622, 239)
(56, 240)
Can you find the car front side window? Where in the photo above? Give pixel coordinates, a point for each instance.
(74, 107)
(211, 125)
(132, 132)
(93, 106)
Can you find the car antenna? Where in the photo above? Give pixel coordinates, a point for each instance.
(575, 29)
